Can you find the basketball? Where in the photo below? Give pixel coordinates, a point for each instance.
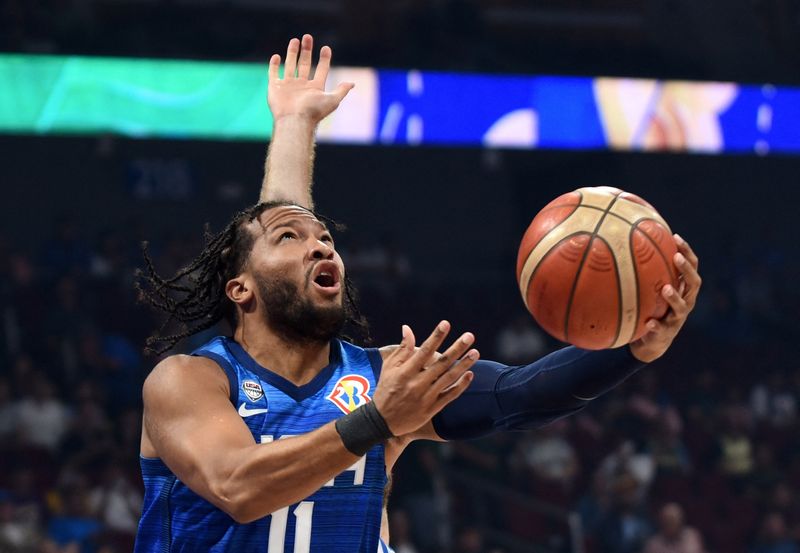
(592, 264)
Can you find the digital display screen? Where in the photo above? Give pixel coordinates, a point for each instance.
(215, 100)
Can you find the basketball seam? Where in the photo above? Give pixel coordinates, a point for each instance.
(546, 234)
(617, 215)
(558, 206)
(619, 291)
(635, 281)
(547, 254)
(660, 254)
(580, 266)
(646, 218)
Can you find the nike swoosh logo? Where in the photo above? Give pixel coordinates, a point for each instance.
(245, 412)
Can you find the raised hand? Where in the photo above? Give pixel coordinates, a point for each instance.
(416, 383)
(661, 332)
(297, 94)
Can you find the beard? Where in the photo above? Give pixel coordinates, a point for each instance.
(294, 317)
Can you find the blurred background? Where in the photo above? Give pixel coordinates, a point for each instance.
(696, 453)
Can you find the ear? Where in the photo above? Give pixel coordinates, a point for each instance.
(239, 290)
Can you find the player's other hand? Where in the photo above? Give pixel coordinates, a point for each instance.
(661, 332)
(416, 383)
(297, 94)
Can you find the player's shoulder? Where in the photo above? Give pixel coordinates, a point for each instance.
(184, 375)
(386, 351)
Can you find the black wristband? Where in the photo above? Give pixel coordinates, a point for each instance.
(362, 429)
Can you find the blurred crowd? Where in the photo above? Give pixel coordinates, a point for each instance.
(697, 453)
(715, 469)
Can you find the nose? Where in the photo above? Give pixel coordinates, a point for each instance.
(321, 250)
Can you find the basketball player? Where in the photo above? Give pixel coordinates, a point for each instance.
(280, 437)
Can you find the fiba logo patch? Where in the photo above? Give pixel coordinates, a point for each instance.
(252, 390)
(350, 392)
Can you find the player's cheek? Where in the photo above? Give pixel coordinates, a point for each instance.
(340, 262)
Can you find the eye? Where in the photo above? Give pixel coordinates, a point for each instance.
(287, 236)
(327, 238)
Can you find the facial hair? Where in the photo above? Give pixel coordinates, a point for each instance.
(294, 317)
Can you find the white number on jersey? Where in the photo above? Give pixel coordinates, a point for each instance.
(303, 512)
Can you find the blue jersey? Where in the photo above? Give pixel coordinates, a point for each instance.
(343, 516)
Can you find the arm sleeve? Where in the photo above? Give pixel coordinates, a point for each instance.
(529, 396)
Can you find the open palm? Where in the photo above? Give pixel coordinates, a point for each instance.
(296, 94)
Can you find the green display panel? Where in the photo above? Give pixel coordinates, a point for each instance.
(134, 97)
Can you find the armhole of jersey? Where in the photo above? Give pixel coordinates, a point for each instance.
(224, 364)
(375, 359)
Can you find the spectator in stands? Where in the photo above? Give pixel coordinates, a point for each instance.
(399, 532)
(673, 535)
(90, 434)
(418, 492)
(113, 362)
(108, 259)
(594, 505)
(549, 457)
(23, 506)
(115, 500)
(783, 499)
(519, 341)
(42, 417)
(484, 460)
(667, 449)
(17, 533)
(735, 447)
(629, 460)
(774, 537)
(766, 473)
(650, 406)
(773, 401)
(74, 530)
(625, 527)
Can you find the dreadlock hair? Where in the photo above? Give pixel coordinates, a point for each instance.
(195, 298)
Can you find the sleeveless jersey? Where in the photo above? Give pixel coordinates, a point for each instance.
(343, 516)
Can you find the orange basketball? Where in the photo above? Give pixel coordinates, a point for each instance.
(592, 264)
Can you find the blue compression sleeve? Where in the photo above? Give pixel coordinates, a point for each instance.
(529, 396)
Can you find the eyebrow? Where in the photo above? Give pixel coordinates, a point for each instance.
(294, 223)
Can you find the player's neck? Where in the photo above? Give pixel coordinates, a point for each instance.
(297, 362)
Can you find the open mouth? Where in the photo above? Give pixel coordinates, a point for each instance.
(326, 276)
(326, 280)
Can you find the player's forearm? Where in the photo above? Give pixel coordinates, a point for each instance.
(288, 169)
(266, 477)
(529, 396)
